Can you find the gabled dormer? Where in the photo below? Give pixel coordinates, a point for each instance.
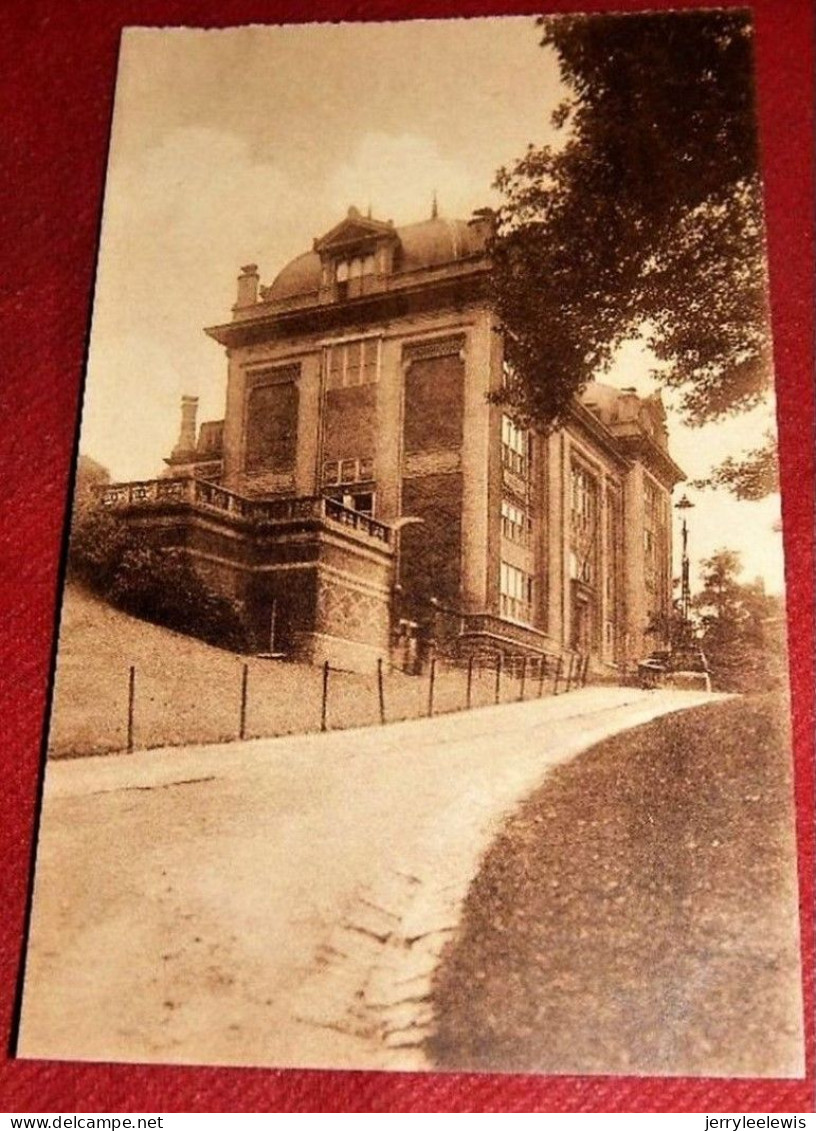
(355, 256)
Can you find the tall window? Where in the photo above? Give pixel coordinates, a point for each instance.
(584, 534)
(613, 558)
(655, 537)
(352, 363)
(583, 503)
(515, 447)
(516, 523)
(515, 593)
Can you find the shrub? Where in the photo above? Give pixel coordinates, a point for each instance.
(158, 585)
(161, 586)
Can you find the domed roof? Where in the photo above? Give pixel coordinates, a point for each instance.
(437, 241)
(429, 243)
(301, 276)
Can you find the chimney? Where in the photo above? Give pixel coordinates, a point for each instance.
(248, 285)
(186, 443)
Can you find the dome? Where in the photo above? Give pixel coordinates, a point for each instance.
(429, 243)
(433, 242)
(299, 277)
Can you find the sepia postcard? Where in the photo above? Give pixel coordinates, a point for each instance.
(421, 697)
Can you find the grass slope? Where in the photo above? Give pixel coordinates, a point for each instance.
(638, 913)
(189, 692)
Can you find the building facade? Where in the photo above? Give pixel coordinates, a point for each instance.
(363, 494)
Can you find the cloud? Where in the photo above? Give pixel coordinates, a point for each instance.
(180, 218)
(398, 175)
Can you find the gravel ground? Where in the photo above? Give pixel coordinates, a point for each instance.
(282, 901)
(638, 914)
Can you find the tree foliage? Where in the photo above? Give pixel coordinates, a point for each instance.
(159, 585)
(645, 221)
(742, 627)
(752, 477)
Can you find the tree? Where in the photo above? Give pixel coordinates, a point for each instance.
(123, 566)
(742, 626)
(98, 539)
(752, 477)
(645, 222)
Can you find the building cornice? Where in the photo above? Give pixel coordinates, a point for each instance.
(643, 449)
(582, 418)
(448, 290)
(631, 447)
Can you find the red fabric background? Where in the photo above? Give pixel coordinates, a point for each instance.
(57, 69)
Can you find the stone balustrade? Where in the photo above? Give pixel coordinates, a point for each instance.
(202, 494)
(525, 636)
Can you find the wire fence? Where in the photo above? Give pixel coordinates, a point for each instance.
(147, 705)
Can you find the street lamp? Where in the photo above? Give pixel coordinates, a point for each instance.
(684, 505)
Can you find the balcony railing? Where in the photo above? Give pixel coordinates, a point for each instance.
(200, 493)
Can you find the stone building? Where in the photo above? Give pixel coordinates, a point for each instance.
(362, 494)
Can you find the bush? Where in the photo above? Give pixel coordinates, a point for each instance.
(154, 584)
(161, 586)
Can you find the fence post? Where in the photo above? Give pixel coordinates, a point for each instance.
(585, 672)
(497, 689)
(244, 679)
(542, 674)
(469, 693)
(523, 678)
(324, 701)
(431, 679)
(569, 671)
(558, 669)
(131, 706)
(381, 689)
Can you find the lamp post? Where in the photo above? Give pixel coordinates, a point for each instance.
(685, 586)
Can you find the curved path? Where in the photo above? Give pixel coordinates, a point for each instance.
(281, 901)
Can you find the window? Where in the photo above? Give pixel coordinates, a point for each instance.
(339, 471)
(583, 500)
(584, 517)
(516, 523)
(580, 567)
(352, 363)
(350, 273)
(655, 536)
(331, 471)
(515, 447)
(359, 499)
(515, 593)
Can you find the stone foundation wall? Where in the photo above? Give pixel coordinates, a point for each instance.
(311, 588)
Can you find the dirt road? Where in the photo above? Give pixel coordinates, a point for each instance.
(280, 902)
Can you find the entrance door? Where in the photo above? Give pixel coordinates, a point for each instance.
(581, 622)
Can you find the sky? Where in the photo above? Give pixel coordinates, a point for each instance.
(241, 146)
